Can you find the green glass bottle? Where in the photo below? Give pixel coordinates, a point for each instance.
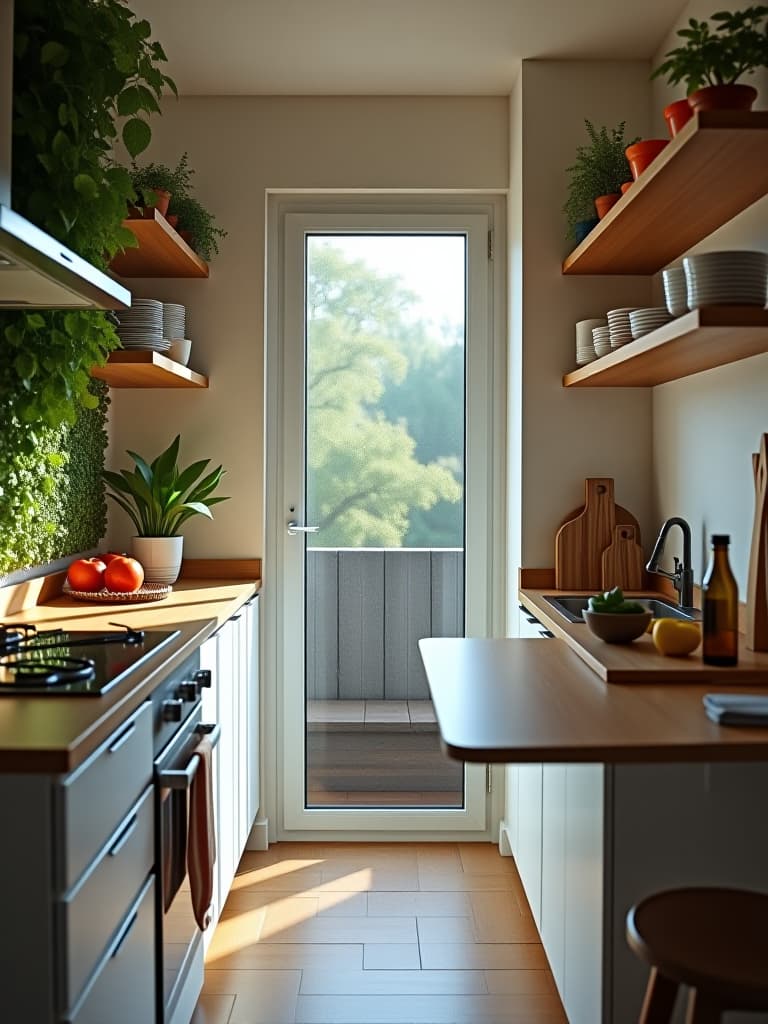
(721, 607)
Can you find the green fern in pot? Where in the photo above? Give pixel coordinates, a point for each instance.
(159, 498)
(600, 169)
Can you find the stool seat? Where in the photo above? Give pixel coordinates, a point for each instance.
(713, 940)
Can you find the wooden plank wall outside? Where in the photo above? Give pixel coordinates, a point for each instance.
(366, 609)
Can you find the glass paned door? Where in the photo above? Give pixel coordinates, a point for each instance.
(378, 506)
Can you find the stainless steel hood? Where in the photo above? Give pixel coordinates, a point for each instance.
(36, 271)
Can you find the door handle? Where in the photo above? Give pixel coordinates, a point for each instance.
(294, 528)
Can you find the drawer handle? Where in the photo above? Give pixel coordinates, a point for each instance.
(123, 738)
(124, 934)
(546, 633)
(181, 778)
(122, 839)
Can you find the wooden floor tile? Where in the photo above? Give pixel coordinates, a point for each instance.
(279, 956)
(508, 982)
(445, 929)
(261, 997)
(438, 857)
(390, 957)
(213, 1009)
(449, 956)
(498, 918)
(344, 904)
(319, 982)
(415, 1009)
(484, 859)
(419, 904)
(346, 929)
(459, 881)
(284, 876)
(237, 931)
(371, 879)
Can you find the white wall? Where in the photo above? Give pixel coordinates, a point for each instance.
(570, 434)
(240, 147)
(705, 427)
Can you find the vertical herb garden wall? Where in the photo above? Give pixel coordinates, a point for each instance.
(85, 72)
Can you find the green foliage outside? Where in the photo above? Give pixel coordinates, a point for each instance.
(385, 414)
(79, 66)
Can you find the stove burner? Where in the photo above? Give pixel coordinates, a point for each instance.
(12, 636)
(53, 672)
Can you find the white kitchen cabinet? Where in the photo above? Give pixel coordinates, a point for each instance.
(527, 853)
(553, 867)
(232, 654)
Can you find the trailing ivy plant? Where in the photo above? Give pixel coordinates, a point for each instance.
(81, 69)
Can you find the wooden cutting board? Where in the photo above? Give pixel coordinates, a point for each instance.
(622, 562)
(757, 578)
(580, 543)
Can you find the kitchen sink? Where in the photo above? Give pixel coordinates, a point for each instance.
(571, 607)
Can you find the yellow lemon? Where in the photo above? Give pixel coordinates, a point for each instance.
(675, 637)
(651, 624)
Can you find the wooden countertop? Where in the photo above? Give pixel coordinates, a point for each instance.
(535, 700)
(55, 734)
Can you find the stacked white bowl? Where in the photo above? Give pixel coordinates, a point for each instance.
(643, 321)
(601, 338)
(585, 350)
(620, 328)
(675, 290)
(728, 278)
(174, 315)
(141, 326)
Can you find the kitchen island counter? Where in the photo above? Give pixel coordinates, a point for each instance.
(55, 734)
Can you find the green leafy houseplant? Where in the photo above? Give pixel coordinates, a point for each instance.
(599, 169)
(159, 497)
(737, 45)
(176, 180)
(79, 67)
(194, 218)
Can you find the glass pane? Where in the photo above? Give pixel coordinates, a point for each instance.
(385, 351)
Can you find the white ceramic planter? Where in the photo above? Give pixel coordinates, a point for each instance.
(160, 556)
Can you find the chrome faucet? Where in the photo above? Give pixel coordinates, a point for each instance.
(682, 577)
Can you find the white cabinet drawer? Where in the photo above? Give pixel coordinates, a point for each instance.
(92, 801)
(93, 911)
(123, 991)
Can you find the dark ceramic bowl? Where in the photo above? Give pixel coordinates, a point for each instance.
(617, 627)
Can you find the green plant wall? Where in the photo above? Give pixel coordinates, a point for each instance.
(85, 72)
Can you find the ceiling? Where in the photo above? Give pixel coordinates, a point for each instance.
(390, 47)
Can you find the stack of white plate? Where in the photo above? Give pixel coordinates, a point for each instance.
(174, 315)
(643, 321)
(585, 350)
(726, 279)
(620, 328)
(675, 291)
(141, 326)
(601, 339)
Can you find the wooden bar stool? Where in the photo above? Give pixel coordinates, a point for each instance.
(715, 941)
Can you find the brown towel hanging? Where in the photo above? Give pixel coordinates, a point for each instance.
(201, 842)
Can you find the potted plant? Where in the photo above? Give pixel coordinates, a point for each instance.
(160, 498)
(155, 184)
(597, 175)
(711, 60)
(196, 225)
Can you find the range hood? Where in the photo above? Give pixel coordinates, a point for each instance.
(37, 271)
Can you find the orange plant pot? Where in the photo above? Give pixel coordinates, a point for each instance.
(626, 186)
(642, 154)
(676, 115)
(723, 97)
(604, 203)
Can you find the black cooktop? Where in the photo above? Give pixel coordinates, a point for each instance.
(63, 662)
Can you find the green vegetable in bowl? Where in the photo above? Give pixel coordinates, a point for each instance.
(613, 601)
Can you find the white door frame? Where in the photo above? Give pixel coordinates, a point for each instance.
(288, 218)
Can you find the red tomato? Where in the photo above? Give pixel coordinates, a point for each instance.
(106, 559)
(124, 575)
(86, 574)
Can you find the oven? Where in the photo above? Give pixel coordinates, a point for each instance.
(178, 729)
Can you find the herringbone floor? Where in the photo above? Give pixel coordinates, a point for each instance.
(377, 933)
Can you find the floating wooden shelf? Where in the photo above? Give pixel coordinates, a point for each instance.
(162, 252)
(700, 340)
(713, 169)
(142, 369)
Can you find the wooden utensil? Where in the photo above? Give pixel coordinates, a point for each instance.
(580, 543)
(622, 562)
(757, 579)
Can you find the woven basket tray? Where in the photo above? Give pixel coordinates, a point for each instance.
(149, 592)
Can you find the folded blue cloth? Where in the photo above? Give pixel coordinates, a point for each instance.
(737, 708)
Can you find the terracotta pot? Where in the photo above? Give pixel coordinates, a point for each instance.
(723, 97)
(604, 203)
(643, 153)
(172, 219)
(676, 115)
(626, 186)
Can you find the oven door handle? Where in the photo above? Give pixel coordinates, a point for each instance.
(181, 778)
